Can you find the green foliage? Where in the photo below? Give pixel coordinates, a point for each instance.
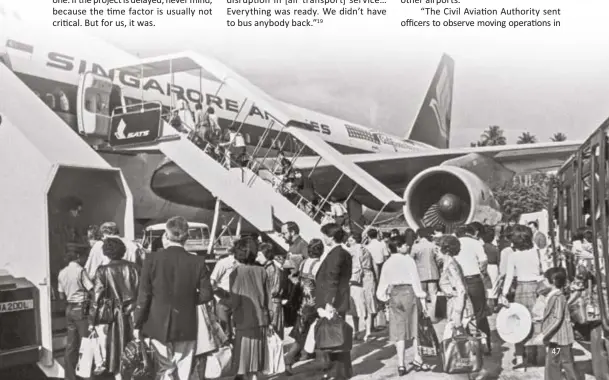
(524, 195)
(491, 137)
(526, 138)
(559, 136)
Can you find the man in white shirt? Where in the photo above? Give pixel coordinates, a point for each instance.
(96, 255)
(235, 147)
(338, 211)
(220, 281)
(541, 243)
(472, 258)
(377, 249)
(473, 261)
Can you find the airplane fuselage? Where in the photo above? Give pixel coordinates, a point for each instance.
(53, 72)
(52, 69)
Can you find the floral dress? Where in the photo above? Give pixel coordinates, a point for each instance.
(307, 312)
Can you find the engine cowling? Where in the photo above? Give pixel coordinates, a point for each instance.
(450, 196)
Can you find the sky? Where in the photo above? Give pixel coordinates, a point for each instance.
(376, 73)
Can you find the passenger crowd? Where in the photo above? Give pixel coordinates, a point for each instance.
(331, 293)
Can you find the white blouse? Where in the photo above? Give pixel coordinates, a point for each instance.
(524, 265)
(399, 269)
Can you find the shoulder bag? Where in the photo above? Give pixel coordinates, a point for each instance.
(105, 306)
(461, 353)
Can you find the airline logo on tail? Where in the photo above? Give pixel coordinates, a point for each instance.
(442, 102)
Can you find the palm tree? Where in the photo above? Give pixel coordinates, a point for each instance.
(526, 138)
(493, 136)
(558, 137)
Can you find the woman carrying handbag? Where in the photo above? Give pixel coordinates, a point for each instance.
(461, 352)
(114, 298)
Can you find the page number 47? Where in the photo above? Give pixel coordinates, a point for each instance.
(555, 351)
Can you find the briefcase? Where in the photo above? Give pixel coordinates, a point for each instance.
(333, 335)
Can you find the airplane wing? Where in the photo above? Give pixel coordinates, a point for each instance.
(491, 164)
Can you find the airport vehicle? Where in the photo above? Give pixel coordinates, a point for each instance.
(47, 167)
(436, 184)
(581, 193)
(198, 239)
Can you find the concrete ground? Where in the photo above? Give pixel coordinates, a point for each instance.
(377, 360)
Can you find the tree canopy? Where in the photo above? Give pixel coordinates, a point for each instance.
(526, 138)
(558, 137)
(523, 195)
(491, 137)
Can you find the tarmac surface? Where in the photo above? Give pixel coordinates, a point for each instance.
(377, 360)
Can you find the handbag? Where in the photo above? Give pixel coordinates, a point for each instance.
(273, 361)
(333, 334)
(137, 361)
(429, 345)
(105, 307)
(219, 363)
(461, 352)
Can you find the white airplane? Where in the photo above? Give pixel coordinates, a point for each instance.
(440, 185)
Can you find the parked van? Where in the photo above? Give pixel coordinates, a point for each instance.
(198, 239)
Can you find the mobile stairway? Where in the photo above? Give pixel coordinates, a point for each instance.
(284, 125)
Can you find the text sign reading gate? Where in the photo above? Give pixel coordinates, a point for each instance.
(135, 126)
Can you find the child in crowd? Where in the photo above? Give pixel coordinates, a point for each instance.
(556, 330)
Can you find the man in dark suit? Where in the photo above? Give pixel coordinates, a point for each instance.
(173, 283)
(332, 290)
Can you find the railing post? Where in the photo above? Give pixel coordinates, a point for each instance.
(214, 226)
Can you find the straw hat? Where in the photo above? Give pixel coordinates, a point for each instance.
(514, 323)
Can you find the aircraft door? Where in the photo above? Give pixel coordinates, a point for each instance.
(97, 96)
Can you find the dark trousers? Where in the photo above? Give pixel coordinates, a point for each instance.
(293, 352)
(78, 328)
(340, 362)
(477, 294)
(560, 358)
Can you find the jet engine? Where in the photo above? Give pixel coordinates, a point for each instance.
(449, 196)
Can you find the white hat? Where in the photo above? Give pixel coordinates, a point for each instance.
(514, 323)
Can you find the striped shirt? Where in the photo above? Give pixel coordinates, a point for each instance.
(556, 325)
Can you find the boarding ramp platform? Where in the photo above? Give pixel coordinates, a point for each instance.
(141, 127)
(54, 185)
(286, 124)
(256, 201)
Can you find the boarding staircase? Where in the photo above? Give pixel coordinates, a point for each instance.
(255, 200)
(242, 189)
